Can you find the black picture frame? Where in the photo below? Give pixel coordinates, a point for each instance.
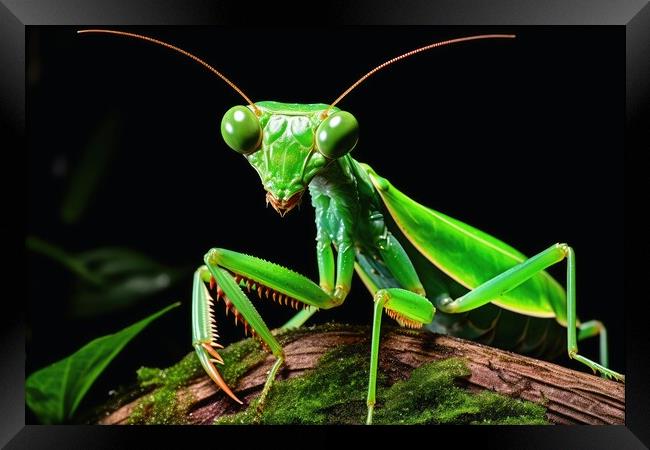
(14, 17)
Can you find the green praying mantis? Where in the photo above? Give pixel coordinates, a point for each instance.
(422, 267)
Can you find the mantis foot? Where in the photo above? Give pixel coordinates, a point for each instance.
(604, 371)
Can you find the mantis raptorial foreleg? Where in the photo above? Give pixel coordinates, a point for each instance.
(227, 272)
(204, 332)
(513, 277)
(328, 278)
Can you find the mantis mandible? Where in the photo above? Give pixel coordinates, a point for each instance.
(453, 278)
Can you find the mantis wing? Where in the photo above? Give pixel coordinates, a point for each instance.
(468, 255)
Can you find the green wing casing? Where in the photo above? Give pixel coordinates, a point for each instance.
(468, 255)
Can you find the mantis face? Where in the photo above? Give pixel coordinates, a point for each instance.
(288, 144)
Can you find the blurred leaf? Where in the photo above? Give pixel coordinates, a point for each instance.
(127, 277)
(110, 278)
(54, 392)
(91, 169)
(59, 255)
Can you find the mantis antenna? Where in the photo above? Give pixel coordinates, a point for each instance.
(411, 53)
(179, 50)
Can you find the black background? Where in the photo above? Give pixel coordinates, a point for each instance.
(520, 138)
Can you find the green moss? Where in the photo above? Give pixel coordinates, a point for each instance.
(160, 407)
(430, 396)
(239, 358)
(164, 405)
(335, 393)
(173, 377)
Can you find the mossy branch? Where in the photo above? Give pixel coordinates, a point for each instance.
(327, 366)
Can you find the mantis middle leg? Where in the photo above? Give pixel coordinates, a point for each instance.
(408, 306)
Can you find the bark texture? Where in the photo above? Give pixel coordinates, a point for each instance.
(571, 397)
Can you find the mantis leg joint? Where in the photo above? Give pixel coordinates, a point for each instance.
(565, 248)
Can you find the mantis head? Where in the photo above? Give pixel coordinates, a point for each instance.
(288, 144)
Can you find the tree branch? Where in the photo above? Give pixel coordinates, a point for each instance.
(571, 397)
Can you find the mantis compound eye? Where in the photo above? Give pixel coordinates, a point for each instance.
(241, 130)
(337, 135)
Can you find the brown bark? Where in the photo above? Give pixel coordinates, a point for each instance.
(571, 397)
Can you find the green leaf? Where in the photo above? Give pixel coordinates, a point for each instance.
(54, 392)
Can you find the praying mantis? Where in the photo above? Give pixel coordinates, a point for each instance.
(421, 267)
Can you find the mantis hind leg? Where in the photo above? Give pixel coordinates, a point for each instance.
(596, 328)
(513, 277)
